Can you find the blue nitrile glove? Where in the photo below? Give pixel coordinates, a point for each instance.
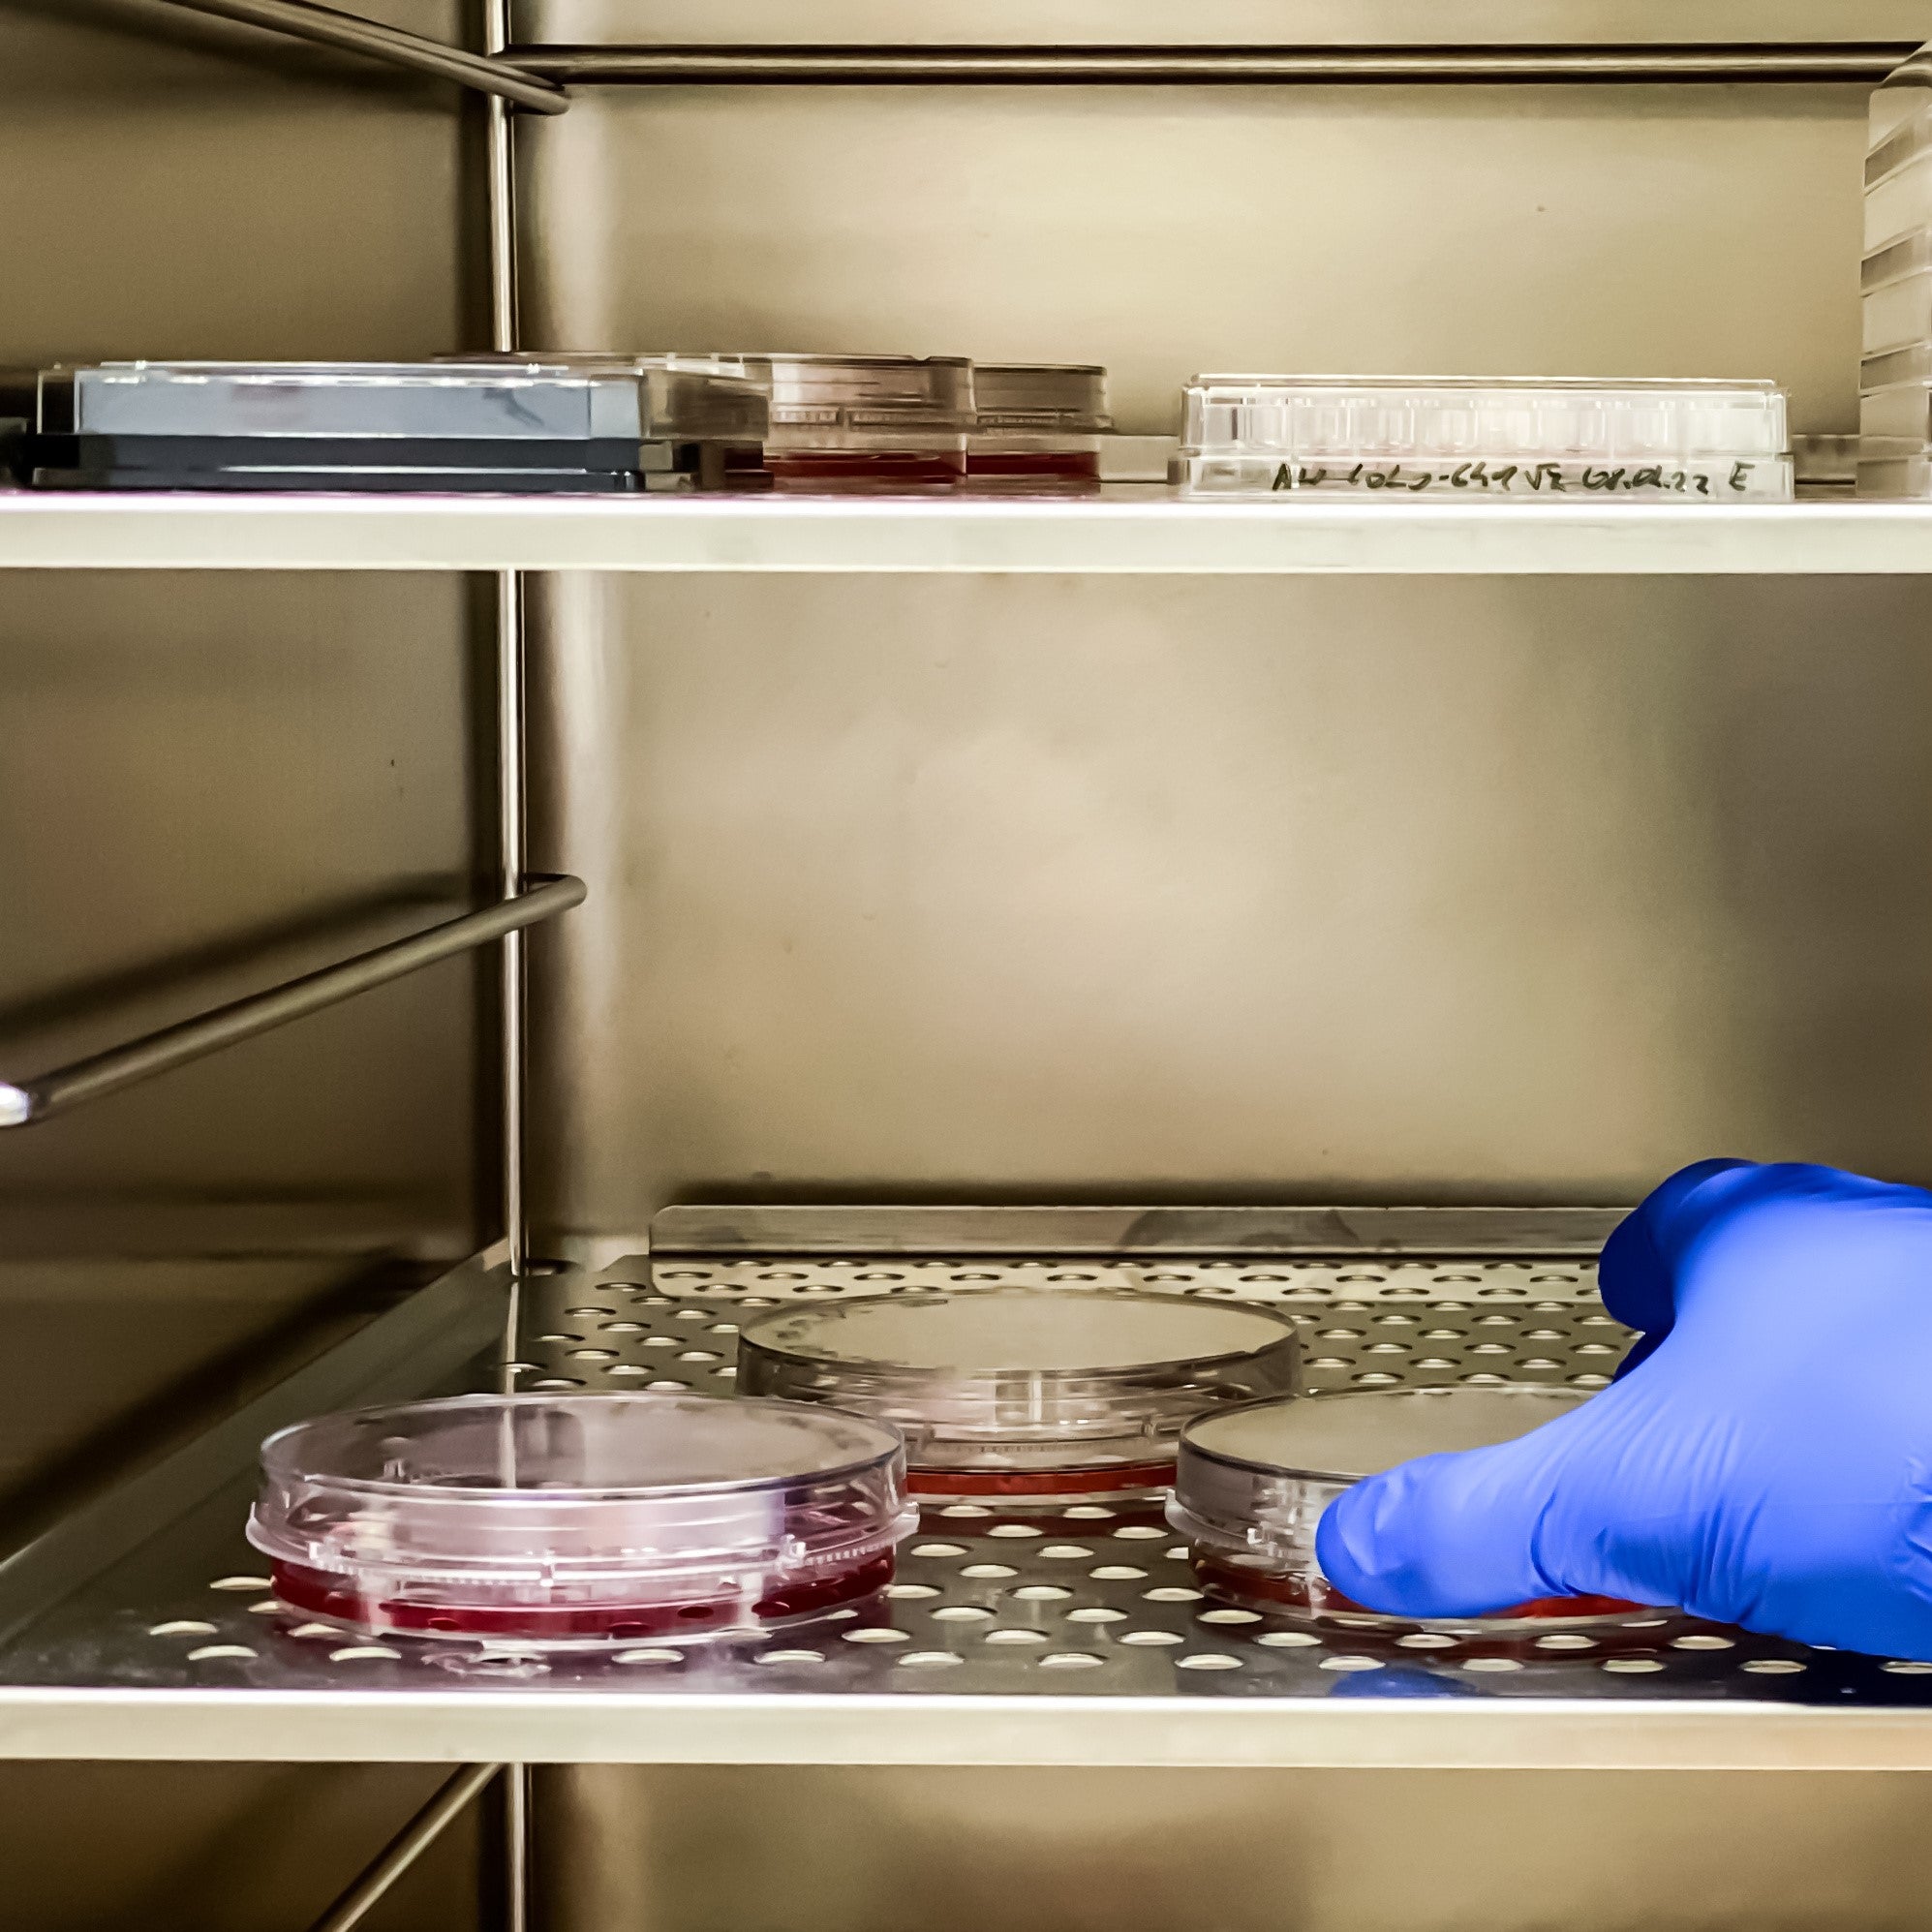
(1764, 1458)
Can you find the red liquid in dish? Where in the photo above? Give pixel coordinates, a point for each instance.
(1292, 1593)
(1034, 466)
(865, 469)
(322, 1594)
(1050, 1484)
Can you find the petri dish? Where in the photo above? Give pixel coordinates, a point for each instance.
(878, 423)
(1025, 1394)
(579, 1523)
(1485, 438)
(1253, 1483)
(1038, 425)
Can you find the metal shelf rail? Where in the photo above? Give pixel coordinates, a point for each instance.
(300, 19)
(533, 78)
(1864, 63)
(144, 1627)
(26, 1103)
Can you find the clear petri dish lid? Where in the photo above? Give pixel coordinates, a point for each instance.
(677, 403)
(1308, 418)
(1256, 1478)
(1344, 1438)
(1023, 1380)
(1065, 398)
(897, 392)
(567, 1492)
(422, 400)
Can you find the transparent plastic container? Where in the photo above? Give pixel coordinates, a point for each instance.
(1040, 425)
(1826, 466)
(883, 423)
(577, 1522)
(1253, 1483)
(1902, 474)
(1025, 1394)
(369, 426)
(1485, 438)
(1897, 286)
(1895, 423)
(1898, 181)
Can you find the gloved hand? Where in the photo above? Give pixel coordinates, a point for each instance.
(1764, 1458)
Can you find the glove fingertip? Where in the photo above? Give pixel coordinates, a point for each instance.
(1345, 1541)
(1637, 1273)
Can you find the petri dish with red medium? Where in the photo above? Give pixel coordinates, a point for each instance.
(858, 423)
(1026, 1396)
(1252, 1484)
(560, 1522)
(1038, 426)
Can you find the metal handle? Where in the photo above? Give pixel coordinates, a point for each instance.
(1865, 62)
(104, 1073)
(304, 20)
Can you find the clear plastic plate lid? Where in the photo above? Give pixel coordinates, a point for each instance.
(1305, 417)
(1023, 1380)
(677, 403)
(431, 400)
(652, 1494)
(1067, 398)
(895, 392)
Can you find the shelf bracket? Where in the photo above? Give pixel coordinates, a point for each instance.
(28, 1103)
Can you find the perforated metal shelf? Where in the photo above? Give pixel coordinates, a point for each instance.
(1006, 1638)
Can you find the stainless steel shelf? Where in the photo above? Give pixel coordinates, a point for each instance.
(143, 1628)
(1134, 530)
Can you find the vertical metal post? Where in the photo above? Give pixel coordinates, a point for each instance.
(516, 1847)
(511, 843)
(503, 328)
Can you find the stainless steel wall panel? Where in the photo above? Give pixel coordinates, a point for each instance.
(1163, 230)
(182, 187)
(699, 1850)
(220, 1848)
(1307, 889)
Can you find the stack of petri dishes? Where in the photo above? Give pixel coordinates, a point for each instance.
(1038, 426)
(512, 426)
(1253, 1483)
(558, 1522)
(1895, 373)
(1027, 1399)
(857, 423)
(1480, 439)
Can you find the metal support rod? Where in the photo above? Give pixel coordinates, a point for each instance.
(511, 833)
(512, 840)
(516, 1847)
(108, 1072)
(1863, 62)
(406, 1848)
(302, 19)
